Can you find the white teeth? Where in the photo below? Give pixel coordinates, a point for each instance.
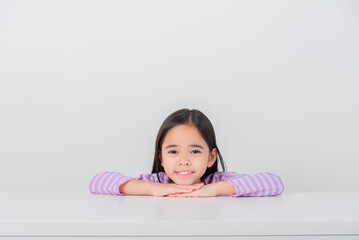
(184, 173)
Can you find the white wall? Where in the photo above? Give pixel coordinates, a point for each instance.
(85, 86)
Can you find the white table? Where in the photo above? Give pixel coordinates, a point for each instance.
(92, 216)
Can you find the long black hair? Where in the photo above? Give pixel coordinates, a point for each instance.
(204, 126)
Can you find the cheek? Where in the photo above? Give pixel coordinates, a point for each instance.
(200, 164)
(167, 164)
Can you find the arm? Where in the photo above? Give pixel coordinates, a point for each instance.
(108, 183)
(256, 185)
(210, 190)
(137, 187)
(238, 185)
(224, 188)
(115, 183)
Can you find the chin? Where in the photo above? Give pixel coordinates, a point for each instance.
(184, 182)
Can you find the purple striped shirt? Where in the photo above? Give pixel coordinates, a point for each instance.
(246, 185)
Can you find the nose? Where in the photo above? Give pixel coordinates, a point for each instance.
(184, 161)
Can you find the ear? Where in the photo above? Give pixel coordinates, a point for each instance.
(212, 157)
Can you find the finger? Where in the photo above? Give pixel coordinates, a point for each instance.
(189, 194)
(186, 186)
(195, 186)
(185, 190)
(184, 195)
(181, 190)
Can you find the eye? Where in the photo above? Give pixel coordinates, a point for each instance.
(196, 151)
(172, 152)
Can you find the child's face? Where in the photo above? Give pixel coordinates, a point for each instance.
(184, 150)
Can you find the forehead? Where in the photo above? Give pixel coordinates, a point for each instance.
(183, 133)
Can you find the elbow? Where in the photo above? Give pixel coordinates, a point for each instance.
(278, 183)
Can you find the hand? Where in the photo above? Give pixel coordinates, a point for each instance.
(208, 190)
(161, 189)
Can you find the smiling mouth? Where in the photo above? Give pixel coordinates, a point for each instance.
(184, 174)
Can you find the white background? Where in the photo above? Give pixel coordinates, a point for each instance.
(85, 86)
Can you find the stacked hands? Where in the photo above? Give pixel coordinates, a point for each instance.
(195, 190)
(138, 187)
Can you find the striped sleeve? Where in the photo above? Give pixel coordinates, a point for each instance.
(256, 185)
(250, 185)
(155, 177)
(108, 183)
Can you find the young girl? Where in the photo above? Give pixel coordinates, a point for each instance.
(186, 165)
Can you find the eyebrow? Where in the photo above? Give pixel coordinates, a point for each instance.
(193, 145)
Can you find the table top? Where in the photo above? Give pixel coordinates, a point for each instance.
(82, 214)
